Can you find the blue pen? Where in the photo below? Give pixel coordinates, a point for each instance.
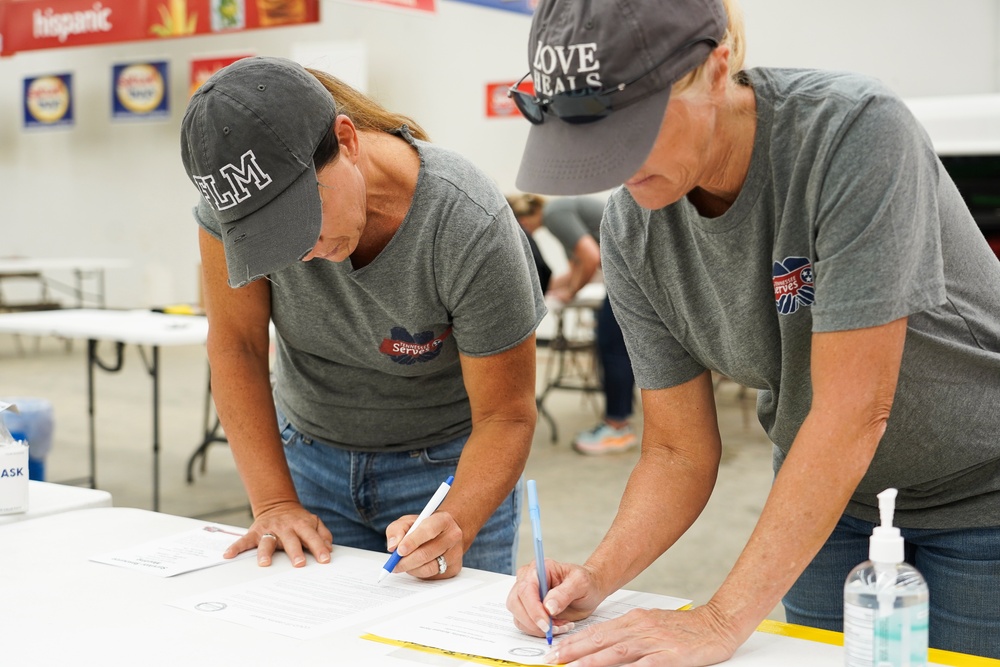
(536, 531)
(429, 509)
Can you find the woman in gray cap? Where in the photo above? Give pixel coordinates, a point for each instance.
(795, 231)
(404, 304)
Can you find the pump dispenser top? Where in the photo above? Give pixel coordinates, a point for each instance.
(886, 612)
(886, 543)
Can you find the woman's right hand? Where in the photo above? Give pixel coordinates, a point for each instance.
(291, 528)
(573, 595)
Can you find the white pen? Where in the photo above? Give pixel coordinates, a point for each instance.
(429, 509)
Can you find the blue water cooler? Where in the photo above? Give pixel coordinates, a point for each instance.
(33, 422)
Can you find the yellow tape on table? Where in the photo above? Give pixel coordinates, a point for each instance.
(837, 638)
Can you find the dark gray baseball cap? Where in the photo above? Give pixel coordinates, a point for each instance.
(247, 142)
(579, 47)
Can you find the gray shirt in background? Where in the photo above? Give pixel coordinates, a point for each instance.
(846, 220)
(368, 359)
(571, 218)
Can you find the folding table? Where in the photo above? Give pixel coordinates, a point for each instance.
(142, 328)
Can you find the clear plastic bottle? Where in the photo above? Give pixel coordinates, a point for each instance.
(885, 602)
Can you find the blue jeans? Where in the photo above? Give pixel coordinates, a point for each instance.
(961, 566)
(618, 379)
(358, 494)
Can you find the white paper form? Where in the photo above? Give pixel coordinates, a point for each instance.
(191, 550)
(316, 600)
(478, 624)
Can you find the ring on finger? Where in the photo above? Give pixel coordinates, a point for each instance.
(442, 565)
(271, 535)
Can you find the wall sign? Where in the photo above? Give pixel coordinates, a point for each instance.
(498, 105)
(48, 101)
(140, 91)
(425, 6)
(203, 68)
(519, 6)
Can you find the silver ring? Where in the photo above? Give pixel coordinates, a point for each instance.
(271, 535)
(442, 565)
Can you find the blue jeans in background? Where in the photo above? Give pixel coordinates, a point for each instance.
(358, 494)
(961, 566)
(618, 379)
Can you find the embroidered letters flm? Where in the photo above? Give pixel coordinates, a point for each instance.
(237, 178)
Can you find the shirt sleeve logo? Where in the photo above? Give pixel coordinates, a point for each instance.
(793, 284)
(405, 348)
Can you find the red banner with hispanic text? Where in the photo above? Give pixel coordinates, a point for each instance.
(45, 24)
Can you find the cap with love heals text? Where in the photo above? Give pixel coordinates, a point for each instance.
(626, 53)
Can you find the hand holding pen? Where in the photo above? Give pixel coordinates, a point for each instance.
(572, 590)
(536, 532)
(429, 509)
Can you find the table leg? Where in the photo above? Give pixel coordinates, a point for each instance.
(92, 444)
(155, 372)
(101, 298)
(212, 431)
(94, 361)
(153, 368)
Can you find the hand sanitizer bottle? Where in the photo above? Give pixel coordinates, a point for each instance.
(885, 602)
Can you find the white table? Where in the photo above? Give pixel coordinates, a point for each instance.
(81, 268)
(45, 498)
(137, 327)
(59, 608)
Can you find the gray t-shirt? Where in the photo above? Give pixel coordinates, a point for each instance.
(368, 359)
(846, 220)
(571, 218)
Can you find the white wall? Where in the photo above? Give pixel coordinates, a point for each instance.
(917, 47)
(108, 189)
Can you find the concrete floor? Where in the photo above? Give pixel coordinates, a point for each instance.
(579, 495)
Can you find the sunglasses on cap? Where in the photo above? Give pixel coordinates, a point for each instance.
(585, 105)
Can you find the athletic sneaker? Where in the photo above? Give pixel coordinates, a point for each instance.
(605, 439)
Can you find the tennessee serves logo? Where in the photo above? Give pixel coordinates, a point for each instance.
(793, 284)
(406, 348)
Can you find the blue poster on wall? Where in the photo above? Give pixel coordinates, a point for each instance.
(48, 101)
(139, 91)
(519, 6)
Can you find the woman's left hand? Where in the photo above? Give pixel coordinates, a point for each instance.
(437, 537)
(701, 636)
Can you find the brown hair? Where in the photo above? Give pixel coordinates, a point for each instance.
(525, 204)
(366, 113)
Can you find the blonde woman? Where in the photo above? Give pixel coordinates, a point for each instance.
(795, 231)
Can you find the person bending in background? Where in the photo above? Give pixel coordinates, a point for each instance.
(404, 305)
(793, 230)
(576, 223)
(529, 225)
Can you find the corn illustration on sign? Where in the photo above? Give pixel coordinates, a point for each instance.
(176, 22)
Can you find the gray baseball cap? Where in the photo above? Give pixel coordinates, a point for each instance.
(602, 71)
(247, 142)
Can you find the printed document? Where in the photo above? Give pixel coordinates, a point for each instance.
(191, 550)
(316, 600)
(478, 624)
